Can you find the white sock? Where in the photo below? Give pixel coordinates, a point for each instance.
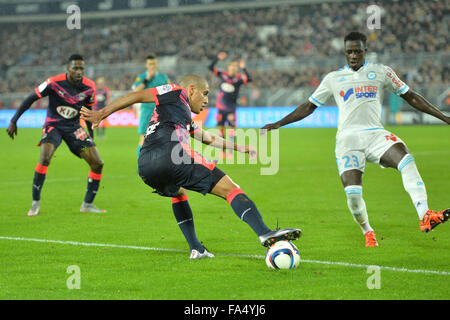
(413, 184)
(421, 207)
(357, 207)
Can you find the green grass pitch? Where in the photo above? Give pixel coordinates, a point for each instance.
(306, 193)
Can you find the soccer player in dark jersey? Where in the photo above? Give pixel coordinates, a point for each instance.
(67, 93)
(226, 101)
(170, 166)
(103, 95)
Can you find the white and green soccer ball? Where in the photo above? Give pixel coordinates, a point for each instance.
(282, 255)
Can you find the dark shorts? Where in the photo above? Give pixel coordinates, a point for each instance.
(157, 170)
(226, 118)
(76, 138)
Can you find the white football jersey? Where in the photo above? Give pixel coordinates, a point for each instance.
(358, 94)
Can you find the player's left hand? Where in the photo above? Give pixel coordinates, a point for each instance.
(93, 117)
(241, 63)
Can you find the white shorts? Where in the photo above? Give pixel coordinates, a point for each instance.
(353, 148)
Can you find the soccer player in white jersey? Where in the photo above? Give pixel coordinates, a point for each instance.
(358, 91)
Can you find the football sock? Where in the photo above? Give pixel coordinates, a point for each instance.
(38, 181)
(357, 207)
(413, 184)
(92, 186)
(246, 210)
(183, 215)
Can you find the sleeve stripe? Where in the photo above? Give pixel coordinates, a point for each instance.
(37, 93)
(315, 101)
(244, 79)
(154, 93)
(402, 90)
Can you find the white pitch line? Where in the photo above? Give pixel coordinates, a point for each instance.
(335, 263)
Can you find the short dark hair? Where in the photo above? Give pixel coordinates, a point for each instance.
(151, 56)
(75, 57)
(356, 36)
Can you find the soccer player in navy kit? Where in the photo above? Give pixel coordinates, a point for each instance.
(103, 95)
(67, 93)
(230, 84)
(170, 166)
(148, 79)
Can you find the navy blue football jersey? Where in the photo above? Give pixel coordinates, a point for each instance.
(65, 100)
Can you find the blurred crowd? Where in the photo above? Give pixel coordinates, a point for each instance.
(297, 31)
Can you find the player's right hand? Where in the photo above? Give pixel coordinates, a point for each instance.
(12, 130)
(221, 55)
(268, 127)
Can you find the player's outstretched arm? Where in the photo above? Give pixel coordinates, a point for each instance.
(298, 114)
(123, 102)
(217, 141)
(25, 105)
(220, 56)
(244, 69)
(420, 103)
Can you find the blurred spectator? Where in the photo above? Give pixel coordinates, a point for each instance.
(297, 31)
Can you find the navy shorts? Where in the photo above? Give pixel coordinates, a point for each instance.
(226, 118)
(158, 170)
(76, 138)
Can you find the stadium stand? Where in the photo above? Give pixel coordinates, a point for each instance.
(301, 36)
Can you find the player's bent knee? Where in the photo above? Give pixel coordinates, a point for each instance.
(224, 187)
(352, 177)
(97, 166)
(45, 159)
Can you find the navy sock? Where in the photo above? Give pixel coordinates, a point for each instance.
(246, 210)
(183, 215)
(38, 180)
(92, 186)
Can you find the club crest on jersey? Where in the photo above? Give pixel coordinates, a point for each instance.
(226, 87)
(360, 92)
(371, 75)
(67, 112)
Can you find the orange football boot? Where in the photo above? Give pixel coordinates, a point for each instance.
(432, 219)
(371, 239)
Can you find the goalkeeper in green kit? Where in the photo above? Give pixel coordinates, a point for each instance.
(148, 79)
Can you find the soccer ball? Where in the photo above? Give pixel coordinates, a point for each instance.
(282, 255)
